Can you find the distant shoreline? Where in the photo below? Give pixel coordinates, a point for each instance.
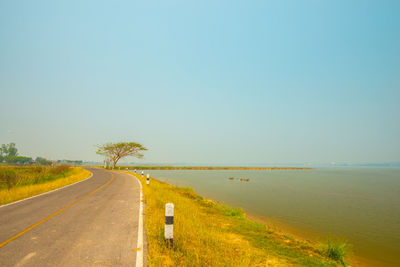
(212, 168)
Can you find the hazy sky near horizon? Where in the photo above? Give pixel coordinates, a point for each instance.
(222, 82)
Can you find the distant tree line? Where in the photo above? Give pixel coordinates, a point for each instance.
(9, 155)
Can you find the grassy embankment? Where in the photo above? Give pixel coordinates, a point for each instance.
(211, 234)
(21, 182)
(211, 168)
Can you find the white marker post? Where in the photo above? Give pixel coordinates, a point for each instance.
(169, 224)
(142, 173)
(148, 179)
(135, 170)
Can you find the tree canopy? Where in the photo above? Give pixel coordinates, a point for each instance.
(17, 160)
(8, 150)
(116, 151)
(42, 161)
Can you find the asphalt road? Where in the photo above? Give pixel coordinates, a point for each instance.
(91, 223)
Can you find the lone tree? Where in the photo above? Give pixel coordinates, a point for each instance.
(116, 151)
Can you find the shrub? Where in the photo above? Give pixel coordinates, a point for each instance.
(8, 177)
(38, 169)
(62, 169)
(336, 250)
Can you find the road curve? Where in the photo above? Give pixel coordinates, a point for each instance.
(92, 223)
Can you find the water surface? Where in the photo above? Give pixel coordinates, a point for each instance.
(361, 205)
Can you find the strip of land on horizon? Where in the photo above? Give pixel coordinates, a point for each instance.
(214, 168)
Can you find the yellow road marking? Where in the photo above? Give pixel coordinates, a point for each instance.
(54, 214)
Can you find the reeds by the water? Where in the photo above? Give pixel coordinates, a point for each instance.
(336, 249)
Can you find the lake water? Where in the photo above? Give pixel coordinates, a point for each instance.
(361, 205)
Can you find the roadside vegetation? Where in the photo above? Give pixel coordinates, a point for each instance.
(18, 182)
(211, 234)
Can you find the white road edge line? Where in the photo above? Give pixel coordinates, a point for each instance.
(48, 192)
(25, 259)
(139, 249)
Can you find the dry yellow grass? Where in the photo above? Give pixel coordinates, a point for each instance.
(210, 234)
(17, 193)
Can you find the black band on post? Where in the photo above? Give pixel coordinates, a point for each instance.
(169, 219)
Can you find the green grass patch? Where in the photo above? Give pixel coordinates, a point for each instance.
(336, 250)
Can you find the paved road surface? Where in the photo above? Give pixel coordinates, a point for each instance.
(99, 230)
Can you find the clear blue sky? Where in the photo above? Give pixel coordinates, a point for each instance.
(222, 82)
